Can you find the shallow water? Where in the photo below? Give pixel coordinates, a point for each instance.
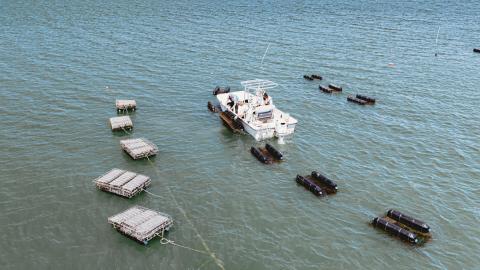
(417, 150)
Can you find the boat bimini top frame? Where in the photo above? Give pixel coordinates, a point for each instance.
(258, 84)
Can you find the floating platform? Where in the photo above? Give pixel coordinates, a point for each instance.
(141, 224)
(123, 183)
(229, 120)
(120, 123)
(139, 148)
(317, 183)
(404, 227)
(125, 105)
(477, 50)
(267, 154)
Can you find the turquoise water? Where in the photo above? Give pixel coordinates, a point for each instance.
(418, 150)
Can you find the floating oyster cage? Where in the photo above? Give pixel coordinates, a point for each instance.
(361, 99)
(139, 148)
(406, 228)
(121, 123)
(123, 183)
(312, 77)
(267, 154)
(124, 105)
(141, 224)
(317, 183)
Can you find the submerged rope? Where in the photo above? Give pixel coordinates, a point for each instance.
(207, 251)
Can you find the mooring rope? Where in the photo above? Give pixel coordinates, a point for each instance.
(207, 251)
(164, 241)
(153, 194)
(128, 133)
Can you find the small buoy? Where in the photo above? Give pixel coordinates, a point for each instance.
(306, 77)
(325, 89)
(395, 230)
(259, 155)
(318, 77)
(356, 100)
(367, 99)
(314, 188)
(274, 152)
(335, 87)
(409, 221)
(324, 180)
(477, 50)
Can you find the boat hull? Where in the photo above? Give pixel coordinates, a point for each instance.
(260, 131)
(266, 133)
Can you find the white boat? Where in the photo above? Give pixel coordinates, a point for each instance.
(254, 109)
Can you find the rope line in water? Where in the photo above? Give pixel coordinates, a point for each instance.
(208, 251)
(128, 133)
(165, 241)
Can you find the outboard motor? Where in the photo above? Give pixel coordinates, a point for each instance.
(409, 221)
